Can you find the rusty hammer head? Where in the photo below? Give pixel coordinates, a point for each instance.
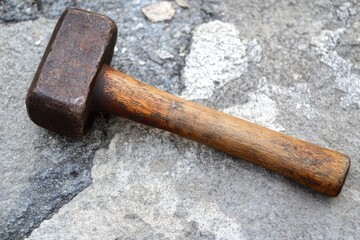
(58, 98)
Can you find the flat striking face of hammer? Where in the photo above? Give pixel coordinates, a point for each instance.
(58, 98)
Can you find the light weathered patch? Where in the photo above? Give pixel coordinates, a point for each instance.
(298, 97)
(217, 56)
(129, 199)
(345, 11)
(211, 219)
(345, 80)
(260, 108)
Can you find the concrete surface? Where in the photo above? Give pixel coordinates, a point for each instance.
(292, 66)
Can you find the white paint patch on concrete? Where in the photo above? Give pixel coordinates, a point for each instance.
(345, 80)
(260, 108)
(217, 56)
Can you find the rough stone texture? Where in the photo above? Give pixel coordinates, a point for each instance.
(299, 74)
(22, 10)
(165, 192)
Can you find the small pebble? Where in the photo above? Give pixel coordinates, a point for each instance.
(38, 42)
(158, 12)
(163, 54)
(182, 3)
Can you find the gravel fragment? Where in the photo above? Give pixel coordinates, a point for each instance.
(163, 54)
(182, 3)
(159, 12)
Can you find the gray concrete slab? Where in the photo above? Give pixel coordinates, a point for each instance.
(290, 66)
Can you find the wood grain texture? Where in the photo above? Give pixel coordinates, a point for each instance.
(318, 168)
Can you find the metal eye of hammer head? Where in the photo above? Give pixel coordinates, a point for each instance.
(74, 80)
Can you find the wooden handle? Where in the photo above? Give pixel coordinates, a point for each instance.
(318, 168)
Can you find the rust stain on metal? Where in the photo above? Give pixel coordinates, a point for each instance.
(58, 97)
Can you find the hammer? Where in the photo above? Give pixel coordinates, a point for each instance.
(74, 80)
